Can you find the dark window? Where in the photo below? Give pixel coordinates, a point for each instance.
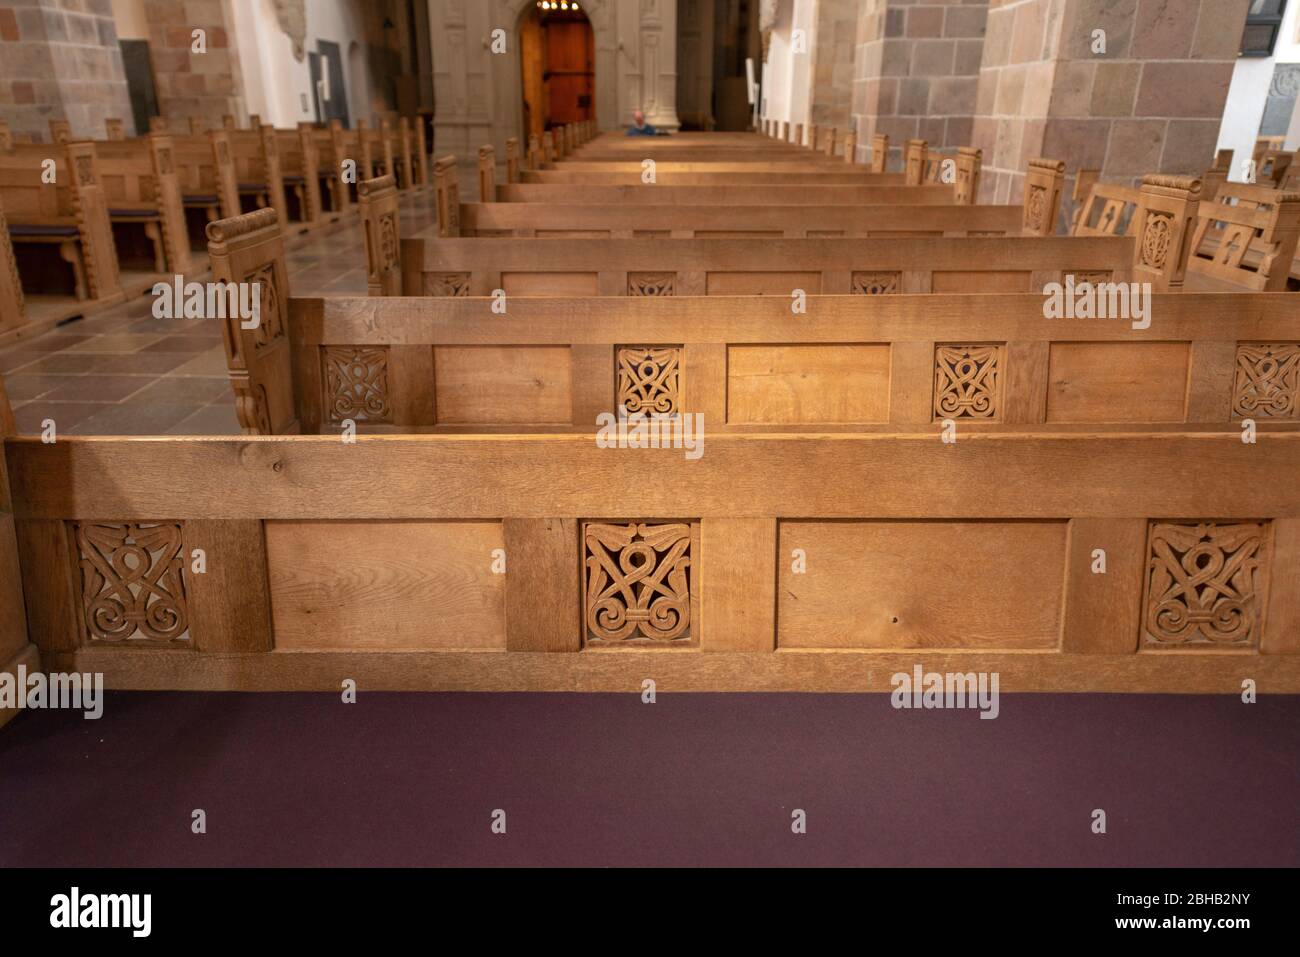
(1263, 21)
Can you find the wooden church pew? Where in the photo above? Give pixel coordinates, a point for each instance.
(205, 168)
(13, 313)
(320, 572)
(890, 364)
(621, 267)
(300, 172)
(140, 183)
(880, 362)
(70, 214)
(258, 175)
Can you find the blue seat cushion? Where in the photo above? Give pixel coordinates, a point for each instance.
(20, 230)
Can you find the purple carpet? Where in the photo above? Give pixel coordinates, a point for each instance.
(601, 779)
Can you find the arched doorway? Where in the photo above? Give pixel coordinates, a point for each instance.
(557, 50)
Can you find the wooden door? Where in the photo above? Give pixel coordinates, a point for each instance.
(570, 71)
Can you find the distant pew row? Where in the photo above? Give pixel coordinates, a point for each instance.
(859, 362)
(88, 224)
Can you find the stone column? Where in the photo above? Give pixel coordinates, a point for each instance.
(916, 71)
(1129, 87)
(205, 85)
(832, 63)
(59, 60)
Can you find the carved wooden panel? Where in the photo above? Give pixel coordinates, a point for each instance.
(1204, 584)
(390, 250)
(1157, 233)
(356, 383)
(446, 284)
(650, 283)
(638, 582)
(876, 283)
(649, 379)
(132, 582)
(967, 382)
(1035, 208)
(1267, 383)
(272, 324)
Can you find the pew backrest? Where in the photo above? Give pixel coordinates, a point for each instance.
(380, 224)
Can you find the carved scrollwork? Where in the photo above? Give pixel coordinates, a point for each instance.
(132, 581)
(876, 283)
(638, 582)
(1035, 207)
(1092, 276)
(1202, 584)
(271, 325)
(389, 248)
(651, 283)
(1157, 233)
(446, 284)
(356, 383)
(85, 171)
(649, 379)
(966, 382)
(1267, 383)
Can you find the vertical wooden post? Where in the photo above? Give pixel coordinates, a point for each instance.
(879, 153)
(447, 193)
(548, 148)
(227, 189)
(1044, 183)
(273, 173)
(381, 229)
(90, 207)
(310, 174)
(969, 162)
(196, 126)
(12, 311)
(512, 160)
(421, 152)
(830, 141)
(487, 172)
(1163, 226)
(171, 208)
(534, 151)
(850, 147)
(914, 162)
(114, 129)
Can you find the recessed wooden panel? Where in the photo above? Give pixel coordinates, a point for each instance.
(881, 584)
(549, 283)
(1117, 382)
(389, 586)
(572, 233)
(495, 385)
(762, 283)
(737, 234)
(992, 281)
(808, 383)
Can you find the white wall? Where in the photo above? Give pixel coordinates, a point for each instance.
(129, 19)
(788, 95)
(1249, 92)
(276, 85)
